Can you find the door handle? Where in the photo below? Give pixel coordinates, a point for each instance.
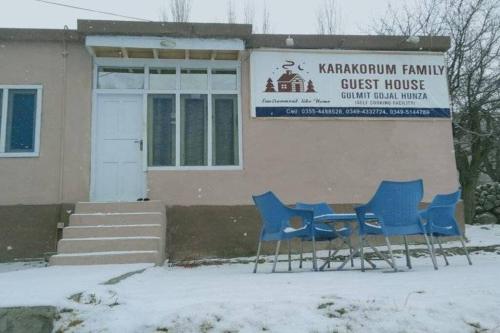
(140, 142)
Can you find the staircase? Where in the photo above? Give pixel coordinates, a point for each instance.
(113, 233)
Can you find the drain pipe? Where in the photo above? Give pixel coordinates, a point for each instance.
(64, 54)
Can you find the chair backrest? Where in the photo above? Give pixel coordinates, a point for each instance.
(273, 212)
(446, 199)
(445, 215)
(396, 203)
(318, 209)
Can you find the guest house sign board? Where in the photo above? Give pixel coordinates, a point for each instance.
(348, 84)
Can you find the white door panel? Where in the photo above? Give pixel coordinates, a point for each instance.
(118, 174)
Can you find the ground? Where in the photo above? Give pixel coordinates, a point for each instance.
(227, 297)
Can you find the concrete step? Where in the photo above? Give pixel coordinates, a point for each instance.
(108, 244)
(113, 233)
(133, 230)
(95, 219)
(103, 258)
(120, 207)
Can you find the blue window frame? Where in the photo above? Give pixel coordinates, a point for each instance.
(19, 121)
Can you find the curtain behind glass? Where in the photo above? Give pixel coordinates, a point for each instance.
(193, 129)
(225, 130)
(161, 130)
(21, 118)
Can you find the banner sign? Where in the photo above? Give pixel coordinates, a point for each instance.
(348, 84)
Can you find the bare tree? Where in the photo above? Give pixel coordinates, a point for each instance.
(491, 165)
(248, 12)
(266, 23)
(163, 15)
(179, 10)
(473, 74)
(328, 18)
(425, 18)
(231, 13)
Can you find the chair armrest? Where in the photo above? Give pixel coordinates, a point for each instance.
(307, 218)
(440, 213)
(306, 214)
(436, 211)
(424, 213)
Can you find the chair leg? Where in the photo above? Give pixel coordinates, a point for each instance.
(442, 251)
(465, 250)
(431, 250)
(345, 261)
(315, 264)
(377, 252)
(390, 253)
(329, 252)
(258, 254)
(350, 251)
(276, 255)
(408, 260)
(301, 252)
(362, 253)
(289, 257)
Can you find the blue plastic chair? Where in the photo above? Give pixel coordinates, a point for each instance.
(395, 204)
(276, 225)
(323, 231)
(441, 222)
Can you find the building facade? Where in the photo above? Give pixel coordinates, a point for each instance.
(117, 111)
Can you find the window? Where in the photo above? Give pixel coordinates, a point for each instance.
(192, 111)
(194, 79)
(194, 123)
(225, 129)
(19, 120)
(224, 79)
(162, 79)
(120, 78)
(161, 130)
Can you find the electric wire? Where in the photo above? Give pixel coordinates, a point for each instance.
(92, 10)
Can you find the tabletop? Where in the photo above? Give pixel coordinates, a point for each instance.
(341, 217)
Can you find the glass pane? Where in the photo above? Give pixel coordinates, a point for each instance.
(161, 130)
(194, 79)
(120, 78)
(21, 117)
(224, 79)
(194, 129)
(225, 129)
(162, 78)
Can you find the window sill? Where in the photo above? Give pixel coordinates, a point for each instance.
(196, 168)
(19, 155)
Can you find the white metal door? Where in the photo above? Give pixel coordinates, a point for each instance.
(117, 166)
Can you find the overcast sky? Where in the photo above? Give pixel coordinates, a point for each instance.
(286, 16)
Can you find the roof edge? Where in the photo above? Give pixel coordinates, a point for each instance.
(223, 30)
(164, 29)
(353, 42)
(40, 35)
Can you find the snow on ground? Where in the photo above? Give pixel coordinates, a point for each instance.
(229, 298)
(483, 235)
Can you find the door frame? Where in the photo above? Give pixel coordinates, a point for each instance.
(93, 155)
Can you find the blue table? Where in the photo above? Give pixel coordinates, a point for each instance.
(342, 218)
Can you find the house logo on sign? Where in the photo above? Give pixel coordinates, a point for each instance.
(290, 81)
